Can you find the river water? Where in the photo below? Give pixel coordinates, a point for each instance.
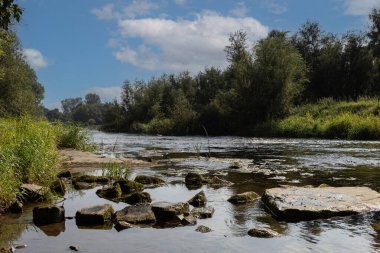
(258, 164)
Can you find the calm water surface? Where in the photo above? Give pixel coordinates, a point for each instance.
(262, 163)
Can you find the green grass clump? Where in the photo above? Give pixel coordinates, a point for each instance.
(115, 171)
(28, 154)
(73, 136)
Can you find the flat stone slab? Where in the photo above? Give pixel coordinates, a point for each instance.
(94, 215)
(300, 203)
(139, 214)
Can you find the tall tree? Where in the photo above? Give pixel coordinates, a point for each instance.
(9, 12)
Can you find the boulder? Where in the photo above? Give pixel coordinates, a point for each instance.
(188, 220)
(301, 203)
(198, 200)
(218, 182)
(128, 186)
(94, 215)
(137, 198)
(48, 215)
(121, 225)
(194, 180)
(149, 181)
(262, 233)
(83, 185)
(33, 192)
(166, 211)
(243, 198)
(203, 212)
(203, 229)
(110, 192)
(64, 174)
(138, 214)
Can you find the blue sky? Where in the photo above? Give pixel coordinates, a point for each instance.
(85, 46)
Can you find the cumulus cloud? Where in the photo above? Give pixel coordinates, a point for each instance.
(240, 10)
(136, 8)
(360, 7)
(107, 94)
(179, 45)
(35, 58)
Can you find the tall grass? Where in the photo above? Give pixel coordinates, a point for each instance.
(358, 120)
(73, 136)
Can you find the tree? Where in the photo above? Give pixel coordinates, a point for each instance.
(70, 104)
(92, 98)
(9, 12)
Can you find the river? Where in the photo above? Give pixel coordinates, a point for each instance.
(258, 164)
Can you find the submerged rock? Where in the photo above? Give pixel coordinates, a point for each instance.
(166, 211)
(203, 212)
(94, 215)
(138, 214)
(198, 200)
(128, 186)
(33, 192)
(203, 229)
(149, 180)
(137, 198)
(300, 203)
(262, 233)
(243, 198)
(48, 215)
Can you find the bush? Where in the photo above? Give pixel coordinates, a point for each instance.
(73, 136)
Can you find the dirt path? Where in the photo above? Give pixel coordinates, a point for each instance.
(79, 161)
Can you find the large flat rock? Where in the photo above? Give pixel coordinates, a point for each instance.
(300, 203)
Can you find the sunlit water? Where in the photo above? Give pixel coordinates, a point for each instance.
(262, 163)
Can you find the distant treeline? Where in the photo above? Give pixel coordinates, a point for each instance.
(262, 83)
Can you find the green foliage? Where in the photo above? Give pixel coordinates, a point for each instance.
(28, 154)
(116, 171)
(71, 135)
(9, 12)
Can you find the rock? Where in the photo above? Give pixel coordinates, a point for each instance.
(198, 200)
(48, 215)
(83, 186)
(137, 198)
(58, 186)
(234, 166)
(376, 227)
(16, 207)
(300, 203)
(188, 220)
(64, 174)
(203, 229)
(94, 215)
(194, 179)
(243, 198)
(218, 182)
(138, 214)
(20, 246)
(33, 192)
(203, 212)
(92, 179)
(109, 192)
(121, 225)
(150, 181)
(128, 186)
(166, 211)
(74, 248)
(262, 233)
(323, 185)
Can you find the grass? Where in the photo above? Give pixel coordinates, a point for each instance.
(73, 136)
(115, 171)
(331, 119)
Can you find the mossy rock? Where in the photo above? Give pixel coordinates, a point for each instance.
(149, 180)
(243, 198)
(128, 187)
(110, 192)
(137, 198)
(92, 179)
(194, 180)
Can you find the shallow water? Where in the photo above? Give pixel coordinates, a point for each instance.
(262, 163)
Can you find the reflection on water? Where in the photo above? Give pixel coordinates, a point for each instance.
(252, 164)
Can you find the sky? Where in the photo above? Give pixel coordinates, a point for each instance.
(83, 46)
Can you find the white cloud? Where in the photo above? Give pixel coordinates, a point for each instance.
(136, 8)
(275, 7)
(180, 2)
(360, 7)
(182, 44)
(240, 10)
(35, 58)
(107, 94)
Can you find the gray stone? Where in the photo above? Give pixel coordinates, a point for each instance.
(122, 225)
(203, 212)
(188, 220)
(94, 215)
(166, 211)
(203, 229)
(128, 187)
(48, 215)
(194, 179)
(262, 233)
(33, 192)
(149, 181)
(198, 200)
(300, 203)
(218, 182)
(74, 248)
(138, 214)
(137, 198)
(244, 198)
